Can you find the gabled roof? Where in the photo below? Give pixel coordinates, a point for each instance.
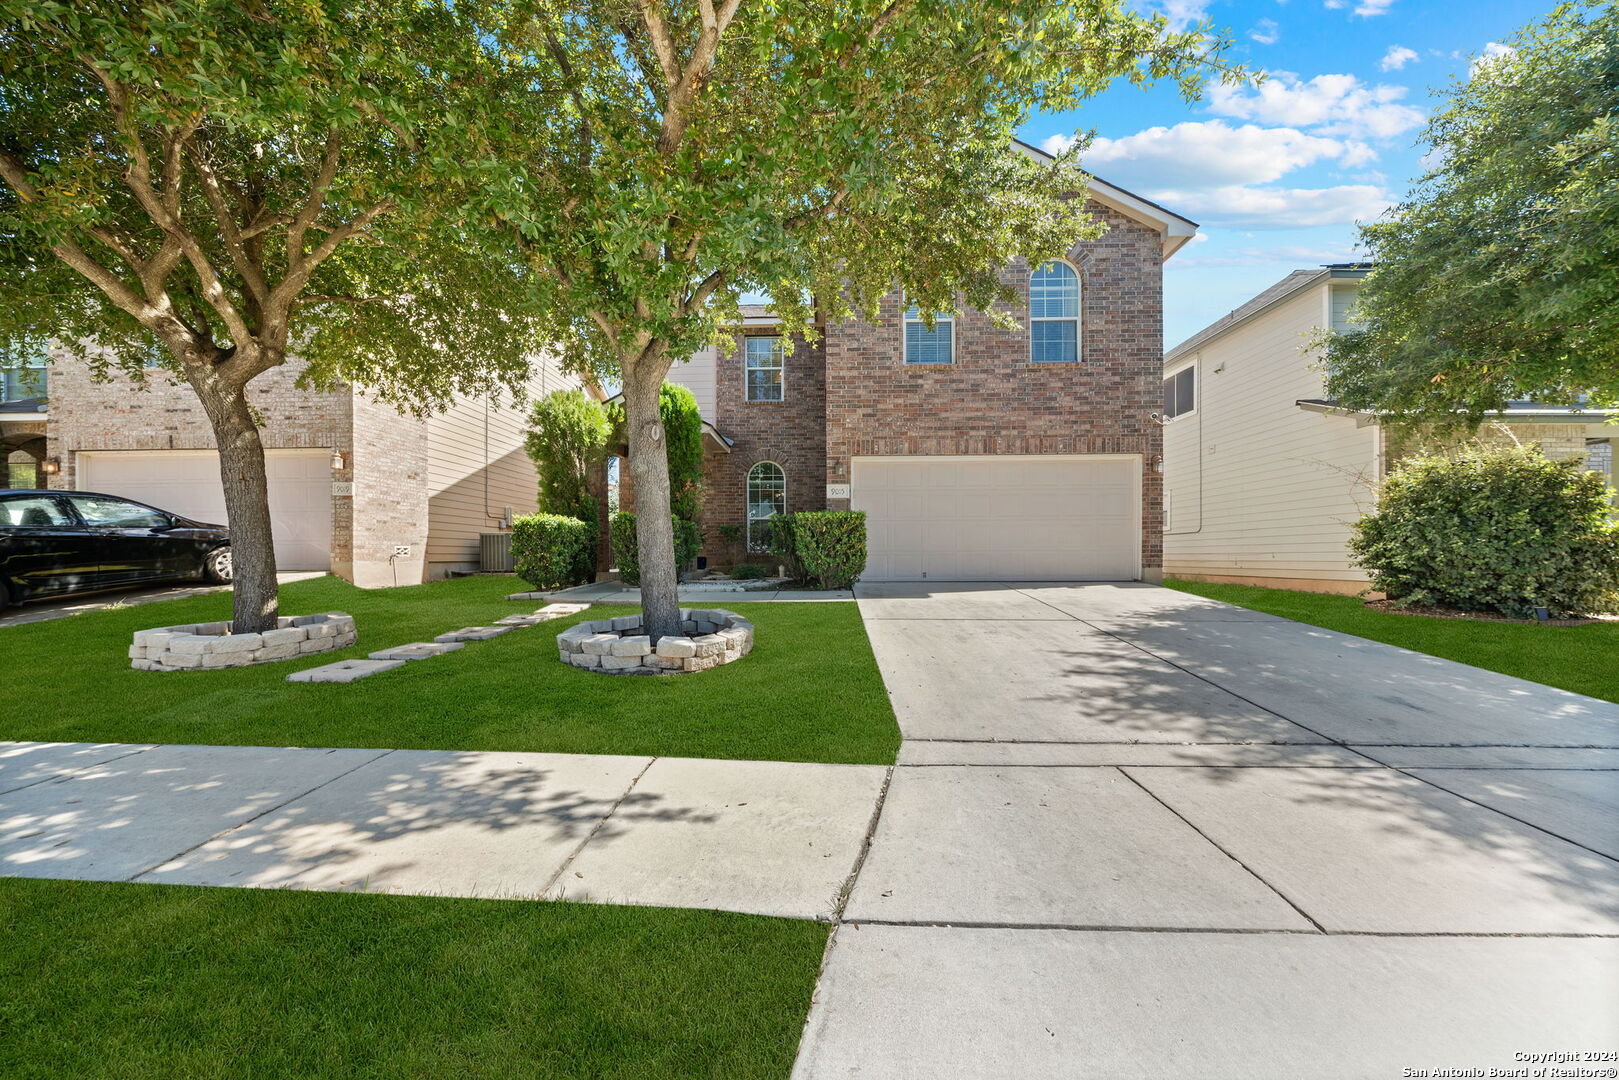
(1286, 289)
(1177, 231)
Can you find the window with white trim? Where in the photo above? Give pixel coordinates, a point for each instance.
(764, 360)
(1054, 314)
(924, 346)
(767, 495)
(1180, 392)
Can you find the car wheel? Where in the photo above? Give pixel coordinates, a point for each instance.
(217, 566)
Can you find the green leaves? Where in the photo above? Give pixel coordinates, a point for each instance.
(1499, 529)
(1497, 279)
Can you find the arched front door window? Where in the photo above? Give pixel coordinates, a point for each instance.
(767, 495)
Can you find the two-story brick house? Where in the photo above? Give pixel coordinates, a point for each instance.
(356, 488)
(977, 453)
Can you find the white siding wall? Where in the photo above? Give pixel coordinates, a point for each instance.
(697, 375)
(1257, 487)
(477, 467)
(1343, 299)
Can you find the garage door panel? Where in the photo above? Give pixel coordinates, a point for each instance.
(1000, 518)
(188, 483)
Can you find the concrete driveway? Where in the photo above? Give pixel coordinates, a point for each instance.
(1136, 833)
(62, 607)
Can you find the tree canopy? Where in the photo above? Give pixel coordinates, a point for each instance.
(220, 183)
(1498, 277)
(820, 151)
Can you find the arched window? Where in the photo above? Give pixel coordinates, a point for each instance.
(767, 494)
(1054, 314)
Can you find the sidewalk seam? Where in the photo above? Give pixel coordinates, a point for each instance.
(591, 835)
(262, 813)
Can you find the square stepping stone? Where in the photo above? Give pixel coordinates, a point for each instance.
(525, 596)
(522, 620)
(475, 633)
(556, 611)
(344, 671)
(417, 650)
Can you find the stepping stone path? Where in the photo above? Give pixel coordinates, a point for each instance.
(475, 633)
(346, 671)
(417, 650)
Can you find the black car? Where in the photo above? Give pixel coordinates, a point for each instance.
(55, 542)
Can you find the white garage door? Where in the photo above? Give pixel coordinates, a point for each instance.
(1002, 518)
(187, 482)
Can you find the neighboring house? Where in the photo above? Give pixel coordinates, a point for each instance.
(356, 488)
(977, 453)
(1263, 476)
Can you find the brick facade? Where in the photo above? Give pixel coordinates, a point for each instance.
(852, 395)
(790, 432)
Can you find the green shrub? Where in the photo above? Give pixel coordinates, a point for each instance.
(1501, 529)
(626, 546)
(750, 571)
(552, 550)
(828, 547)
(782, 542)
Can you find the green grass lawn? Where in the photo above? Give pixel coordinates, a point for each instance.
(118, 980)
(1577, 658)
(809, 691)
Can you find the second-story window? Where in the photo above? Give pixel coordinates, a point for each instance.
(1180, 393)
(1054, 314)
(924, 346)
(22, 372)
(763, 357)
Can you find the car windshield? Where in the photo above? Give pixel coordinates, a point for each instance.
(33, 511)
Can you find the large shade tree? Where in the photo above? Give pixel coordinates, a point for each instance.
(820, 151)
(222, 183)
(1498, 277)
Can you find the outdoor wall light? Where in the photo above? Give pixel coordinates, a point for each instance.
(51, 466)
(337, 461)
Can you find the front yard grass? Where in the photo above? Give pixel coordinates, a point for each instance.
(1577, 658)
(120, 980)
(810, 690)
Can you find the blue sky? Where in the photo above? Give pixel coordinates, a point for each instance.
(1277, 176)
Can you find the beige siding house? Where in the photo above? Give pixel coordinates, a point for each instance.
(356, 488)
(1263, 477)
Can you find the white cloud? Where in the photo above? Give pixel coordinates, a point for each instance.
(1213, 151)
(1266, 31)
(1369, 8)
(1180, 13)
(1493, 52)
(1334, 104)
(1290, 254)
(1397, 57)
(1279, 208)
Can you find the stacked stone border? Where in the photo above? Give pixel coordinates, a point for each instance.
(710, 637)
(202, 646)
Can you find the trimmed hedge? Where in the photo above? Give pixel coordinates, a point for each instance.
(824, 547)
(750, 571)
(552, 550)
(1501, 529)
(626, 546)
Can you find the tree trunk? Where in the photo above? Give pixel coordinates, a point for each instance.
(254, 600)
(654, 531)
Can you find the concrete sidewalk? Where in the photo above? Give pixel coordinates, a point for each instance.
(772, 838)
(1136, 833)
